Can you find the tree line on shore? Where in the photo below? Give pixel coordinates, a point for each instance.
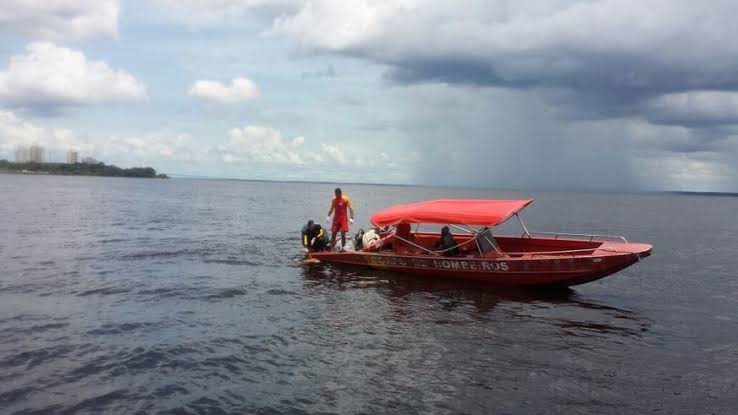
(79, 169)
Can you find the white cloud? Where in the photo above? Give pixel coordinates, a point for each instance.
(335, 154)
(264, 145)
(213, 12)
(527, 35)
(59, 20)
(250, 151)
(151, 148)
(240, 90)
(15, 131)
(50, 78)
(125, 150)
(297, 141)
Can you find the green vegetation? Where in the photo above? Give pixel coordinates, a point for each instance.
(78, 169)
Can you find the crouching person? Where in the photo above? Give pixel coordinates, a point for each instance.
(314, 237)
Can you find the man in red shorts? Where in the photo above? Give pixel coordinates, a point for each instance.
(340, 219)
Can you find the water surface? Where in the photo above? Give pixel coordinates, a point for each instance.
(184, 296)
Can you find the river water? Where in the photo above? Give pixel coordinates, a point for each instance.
(186, 296)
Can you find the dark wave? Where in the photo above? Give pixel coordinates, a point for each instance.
(112, 290)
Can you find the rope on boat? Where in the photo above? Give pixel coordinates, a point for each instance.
(437, 253)
(478, 234)
(571, 251)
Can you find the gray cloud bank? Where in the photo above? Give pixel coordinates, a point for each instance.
(629, 87)
(658, 59)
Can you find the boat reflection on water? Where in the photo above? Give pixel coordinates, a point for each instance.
(563, 308)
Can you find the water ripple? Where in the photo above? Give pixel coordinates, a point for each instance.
(179, 296)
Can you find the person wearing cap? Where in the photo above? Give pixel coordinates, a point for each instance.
(314, 237)
(339, 204)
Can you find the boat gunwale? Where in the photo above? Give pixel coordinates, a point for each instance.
(605, 245)
(605, 251)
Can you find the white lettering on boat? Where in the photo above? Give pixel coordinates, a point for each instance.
(445, 264)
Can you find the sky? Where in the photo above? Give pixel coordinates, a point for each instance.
(603, 95)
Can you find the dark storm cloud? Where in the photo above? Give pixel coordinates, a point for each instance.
(502, 138)
(611, 58)
(595, 87)
(593, 73)
(606, 94)
(712, 139)
(456, 71)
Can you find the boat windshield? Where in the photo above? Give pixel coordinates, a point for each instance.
(486, 241)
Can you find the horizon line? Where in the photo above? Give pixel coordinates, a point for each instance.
(440, 186)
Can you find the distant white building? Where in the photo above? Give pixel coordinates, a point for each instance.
(72, 157)
(22, 154)
(37, 154)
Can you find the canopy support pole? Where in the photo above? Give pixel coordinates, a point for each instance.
(461, 228)
(523, 225)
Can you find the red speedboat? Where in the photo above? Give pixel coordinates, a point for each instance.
(534, 258)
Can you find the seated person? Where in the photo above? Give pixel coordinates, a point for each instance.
(447, 243)
(403, 232)
(314, 237)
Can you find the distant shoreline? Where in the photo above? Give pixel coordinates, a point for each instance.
(78, 169)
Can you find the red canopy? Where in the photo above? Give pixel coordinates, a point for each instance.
(456, 211)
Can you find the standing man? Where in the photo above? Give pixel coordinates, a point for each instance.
(340, 219)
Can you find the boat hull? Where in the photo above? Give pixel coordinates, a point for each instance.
(523, 270)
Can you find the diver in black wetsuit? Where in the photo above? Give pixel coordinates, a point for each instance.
(314, 237)
(447, 241)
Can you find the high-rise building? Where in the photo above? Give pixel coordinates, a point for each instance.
(22, 154)
(36, 154)
(72, 157)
